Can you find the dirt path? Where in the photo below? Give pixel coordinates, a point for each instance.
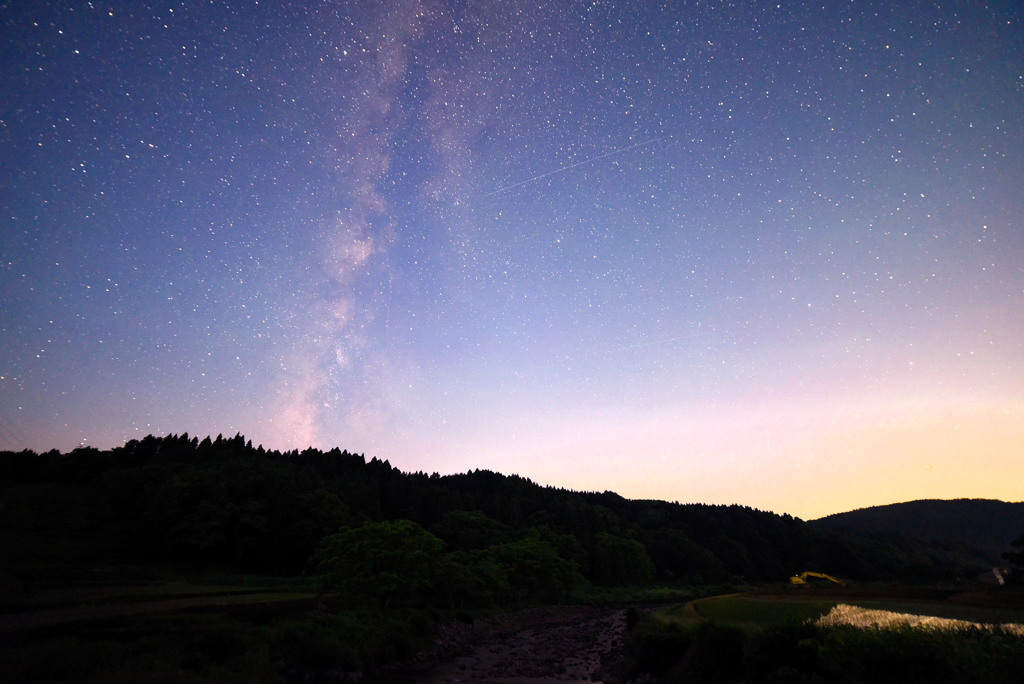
(539, 646)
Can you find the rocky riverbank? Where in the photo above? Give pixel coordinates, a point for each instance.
(536, 646)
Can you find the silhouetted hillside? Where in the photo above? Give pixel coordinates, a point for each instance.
(984, 524)
(496, 538)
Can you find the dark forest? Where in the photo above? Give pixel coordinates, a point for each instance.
(226, 504)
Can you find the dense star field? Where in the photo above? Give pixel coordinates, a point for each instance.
(757, 253)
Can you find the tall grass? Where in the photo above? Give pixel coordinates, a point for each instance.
(260, 644)
(865, 618)
(675, 648)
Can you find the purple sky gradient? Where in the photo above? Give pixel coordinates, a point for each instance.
(767, 254)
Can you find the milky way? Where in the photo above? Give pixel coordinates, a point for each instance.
(757, 253)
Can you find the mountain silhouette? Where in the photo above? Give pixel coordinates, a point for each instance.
(984, 524)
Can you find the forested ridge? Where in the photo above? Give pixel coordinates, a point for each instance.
(983, 524)
(495, 539)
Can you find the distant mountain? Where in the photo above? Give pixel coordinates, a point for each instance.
(984, 524)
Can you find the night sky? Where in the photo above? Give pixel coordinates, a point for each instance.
(759, 253)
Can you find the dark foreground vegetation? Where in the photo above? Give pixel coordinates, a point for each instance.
(303, 565)
(777, 640)
(808, 653)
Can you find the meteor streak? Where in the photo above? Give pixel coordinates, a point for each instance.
(571, 166)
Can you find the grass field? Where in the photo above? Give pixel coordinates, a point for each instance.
(775, 635)
(756, 610)
(201, 633)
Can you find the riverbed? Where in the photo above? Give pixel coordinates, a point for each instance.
(565, 644)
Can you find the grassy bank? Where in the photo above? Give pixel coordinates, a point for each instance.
(255, 641)
(231, 631)
(776, 639)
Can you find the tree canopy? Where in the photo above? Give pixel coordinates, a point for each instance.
(387, 536)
